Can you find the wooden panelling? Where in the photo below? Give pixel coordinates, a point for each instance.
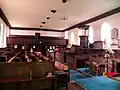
(32, 40)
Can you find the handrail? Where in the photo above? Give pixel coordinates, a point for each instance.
(13, 57)
(33, 55)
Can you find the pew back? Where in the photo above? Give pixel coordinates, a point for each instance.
(3, 58)
(60, 66)
(41, 69)
(14, 70)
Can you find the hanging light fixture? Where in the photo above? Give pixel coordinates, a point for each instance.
(64, 17)
(64, 1)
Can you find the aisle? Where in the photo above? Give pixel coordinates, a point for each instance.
(94, 83)
(74, 75)
(99, 83)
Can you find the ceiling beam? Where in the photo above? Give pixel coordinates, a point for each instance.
(36, 29)
(101, 16)
(3, 17)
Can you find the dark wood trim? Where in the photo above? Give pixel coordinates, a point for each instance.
(106, 14)
(114, 44)
(3, 17)
(36, 29)
(33, 40)
(33, 36)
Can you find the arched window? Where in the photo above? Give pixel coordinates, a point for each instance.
(8, 31)
(66, 35)
(72, 37)
(106, 34)
(90, 34)
(5, 37)
(1, 34)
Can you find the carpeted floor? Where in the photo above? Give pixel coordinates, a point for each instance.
(87, 71)
(74, 75)
(99, 83)
(94, 83)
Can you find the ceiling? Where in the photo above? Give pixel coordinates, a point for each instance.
(31, 13)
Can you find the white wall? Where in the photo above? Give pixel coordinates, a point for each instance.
(72, 37)
(75, 39)
(113, 21)
(4, 32)
(32, 32)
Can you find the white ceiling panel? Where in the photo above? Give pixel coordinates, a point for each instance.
(31, 13)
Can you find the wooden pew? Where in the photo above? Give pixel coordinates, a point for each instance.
(76, 60)
(3, 58)
(61, 71)
(6, 54)
(10, 60)
(41, 69)
(63, 75)
(12, 73)
(39, 76)
(27, 76)
(14, 70)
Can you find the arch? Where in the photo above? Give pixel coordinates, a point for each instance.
(72, 36)
(106, 34)
(66, 35)
(90, 34)
(1, 34)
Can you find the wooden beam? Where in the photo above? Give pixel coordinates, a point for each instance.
(3, 17)
(37, 29)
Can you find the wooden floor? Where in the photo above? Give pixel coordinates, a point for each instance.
(116, 78)
(73, 86)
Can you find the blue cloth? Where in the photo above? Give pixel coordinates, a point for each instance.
(87, 71)
(74, 75)
(99, 83)
(83, 69)
(94, 83)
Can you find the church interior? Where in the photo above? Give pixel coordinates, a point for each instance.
(59, 44)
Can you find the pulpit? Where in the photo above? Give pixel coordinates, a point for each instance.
(84, 41)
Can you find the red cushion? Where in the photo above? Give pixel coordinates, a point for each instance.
(113, 74)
